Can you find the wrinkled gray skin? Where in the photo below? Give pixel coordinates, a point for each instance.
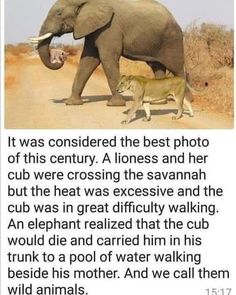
(139, 30)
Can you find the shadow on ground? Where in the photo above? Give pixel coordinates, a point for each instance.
(141, 113)
(92, 98)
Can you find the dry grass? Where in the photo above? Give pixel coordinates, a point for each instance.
(10, 58)
(10, 80)
(209, 56)
(128, 67)
(73, 50)
(19, 49)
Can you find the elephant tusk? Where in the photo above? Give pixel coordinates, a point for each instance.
(34, 44)
(40, 38)
(33, 41)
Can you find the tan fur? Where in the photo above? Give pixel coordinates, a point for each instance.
(146, 90)
(58, 55)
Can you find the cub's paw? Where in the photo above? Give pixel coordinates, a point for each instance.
(145, 119)
(176, 117)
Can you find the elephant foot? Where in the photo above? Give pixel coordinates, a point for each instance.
(74, 101)
(116, 100)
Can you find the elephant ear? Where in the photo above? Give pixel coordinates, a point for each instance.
(92, 17)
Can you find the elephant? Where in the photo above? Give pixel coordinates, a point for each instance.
(136, 29)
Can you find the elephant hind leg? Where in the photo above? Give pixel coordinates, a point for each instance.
(158, 69)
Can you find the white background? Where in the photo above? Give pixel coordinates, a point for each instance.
(219, 243)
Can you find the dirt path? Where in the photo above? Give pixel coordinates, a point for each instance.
(34, 98)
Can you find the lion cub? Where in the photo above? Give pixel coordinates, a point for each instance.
(58, 55)
(146, 90)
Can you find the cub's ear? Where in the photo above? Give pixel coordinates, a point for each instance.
(91, 17)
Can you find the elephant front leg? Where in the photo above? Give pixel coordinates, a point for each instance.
(88, 63)
(111, 69)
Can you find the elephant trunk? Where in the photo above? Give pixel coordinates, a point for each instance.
(44, 53)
